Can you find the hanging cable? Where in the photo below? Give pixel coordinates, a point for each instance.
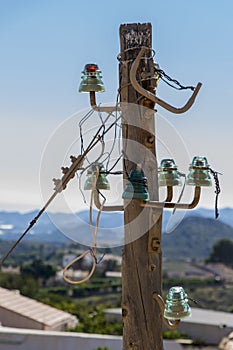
(163, 76)
(89, 165)
(103, 124)
(61, 184)
(116, 162)
(107, 155)
(182, 190)
(32, 223)
(92, 250)
(115, 134)
(82, 121)
(217, 189)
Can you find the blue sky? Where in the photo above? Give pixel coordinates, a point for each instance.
(44, 47)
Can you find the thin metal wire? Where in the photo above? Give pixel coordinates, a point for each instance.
(182, 191)
(87, 167)
(119, 56)
(94, 229)
(161, 73)
(112, 113)
(119, 172)
(83, 120)
(115, 132)
(103, 126)
(66, 178)
(217, 190)
(32, 223)
(194, 301)
(164, 76)
(79, 177)
(102, 122)
(116, 162)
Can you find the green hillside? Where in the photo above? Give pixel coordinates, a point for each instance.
(194, 238)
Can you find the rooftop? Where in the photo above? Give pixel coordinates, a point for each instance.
(13, 301)
(200, 316)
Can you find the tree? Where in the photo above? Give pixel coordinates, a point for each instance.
(39, 270)
(222, 251)
(27, 285)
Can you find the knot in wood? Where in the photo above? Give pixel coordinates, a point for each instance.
(149, 142)
(124, 312)
(152, 267)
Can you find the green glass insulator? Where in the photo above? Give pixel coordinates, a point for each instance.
(136, 187)
(176, 306)
(91, 79)
(102, 182)
(168, 174)
(199, 173)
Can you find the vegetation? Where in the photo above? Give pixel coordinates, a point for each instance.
(31, 251)
(222, 251)
(26, 284)
(38, 270)
(173, 334)
(194, 237)
(89, 301)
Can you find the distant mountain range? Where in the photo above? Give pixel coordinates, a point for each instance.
(190, 236)
(60, 227)
(194, 238)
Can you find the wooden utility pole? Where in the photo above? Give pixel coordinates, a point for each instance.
(141, 266)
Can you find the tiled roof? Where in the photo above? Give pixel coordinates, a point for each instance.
(13, 301)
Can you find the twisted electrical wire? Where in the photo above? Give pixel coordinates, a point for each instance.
(60, 186)
(93, 250)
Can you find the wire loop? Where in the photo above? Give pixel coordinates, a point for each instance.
(68, 280)
(119, 56)
(94, 229)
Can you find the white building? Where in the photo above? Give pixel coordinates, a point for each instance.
(208, 325)
(22, 312)
(25, 339)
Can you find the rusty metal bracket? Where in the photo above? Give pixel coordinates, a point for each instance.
(105, 207)
(151, 96)
(170, 205)
(107, 109)
(154, 241)
(167, 322)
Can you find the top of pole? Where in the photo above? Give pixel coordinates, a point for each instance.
(135, 35)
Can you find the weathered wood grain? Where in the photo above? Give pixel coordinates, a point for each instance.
(141, 267)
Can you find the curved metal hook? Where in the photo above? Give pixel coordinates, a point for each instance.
(151, 96)
(167, 322)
